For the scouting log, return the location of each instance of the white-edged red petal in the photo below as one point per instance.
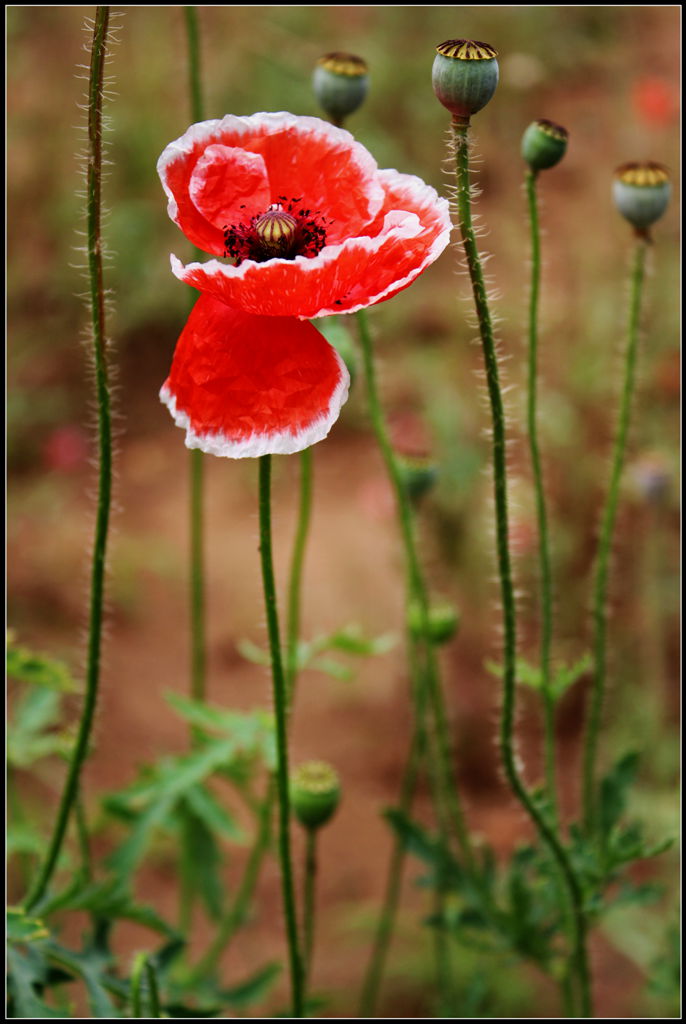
(243, 385)
(410, 232)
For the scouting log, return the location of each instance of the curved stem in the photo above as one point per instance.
(416, 591)
(97, 304)
(547, 834)
(541, 514)
(281, 712)
(295, 581)
(605, 541)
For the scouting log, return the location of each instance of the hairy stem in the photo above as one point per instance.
(281, 714)
(548, 835)
(541, 514)
(295, 580)
(196, 463)
(97, 305)
(605, 541)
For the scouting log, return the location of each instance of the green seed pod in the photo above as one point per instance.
(418, 475)
(340, 82)
(444, 621)
(464, 76)
(544, 143)
(641, 192)
(315, 793)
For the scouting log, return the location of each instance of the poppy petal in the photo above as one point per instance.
(244, 386)
(409, 233)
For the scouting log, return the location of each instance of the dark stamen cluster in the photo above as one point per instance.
(302, 233)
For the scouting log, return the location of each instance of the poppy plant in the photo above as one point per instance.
(301, 223)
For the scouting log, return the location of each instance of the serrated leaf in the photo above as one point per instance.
(176, 777)
(252, 989)
(23, 928)
(200, 859)
(613, 791)
(428, 848)
(27, 666)
(25, 975)
(253, 732)
(31, 734)
(351, 640)
(251, 652)
(214, 815)
(91, 967)
(333, 668)
(566, 676)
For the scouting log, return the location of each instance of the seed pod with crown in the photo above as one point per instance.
(340, 82)
(641, 193)
(315, 793)
(544, 143)
(464, 76)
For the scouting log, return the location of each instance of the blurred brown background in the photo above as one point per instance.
(610, 75)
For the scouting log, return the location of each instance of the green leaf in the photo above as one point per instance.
(26, 975)
(351, 640)
(566, 676)
(613, 791)
(251, 731)
(22, 928)
(251, 990)
(251, 652)
(26, 666)
(428, 848)
(31, 734)
(214, 816)
(333, 668)
(200, 859)
(90, 966)
(175, 777)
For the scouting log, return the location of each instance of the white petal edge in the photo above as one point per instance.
(282, 442)
(205, 131)
(421, 192)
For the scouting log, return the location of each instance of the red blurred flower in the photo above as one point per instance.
(654, 101)
(301, 224)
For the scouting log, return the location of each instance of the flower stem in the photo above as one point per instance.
(541, 514)
(281, 713)
(197, 575)
(295, 581)
(605, 541)
(416, 591)
(310, 875)
(97, 305)
(548, 835)
(386, 921)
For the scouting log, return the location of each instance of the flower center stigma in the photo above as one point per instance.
(285, 230)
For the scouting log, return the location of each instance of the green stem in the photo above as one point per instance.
(295, 581)
(384, 928)
(141, 966)
(281, 713)
(416, 591)
(197, 575)
(541, 514)
(309, 898)
(605, 541)
(97, 303)
(239, 908)
(548, 835)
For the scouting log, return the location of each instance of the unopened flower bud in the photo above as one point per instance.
(641, 193)
(340, 82)
(464, 76)
(418, 475)
(443, 622)
(544, 143)
(315, 793)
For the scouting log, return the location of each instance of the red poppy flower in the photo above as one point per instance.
(301, 224)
